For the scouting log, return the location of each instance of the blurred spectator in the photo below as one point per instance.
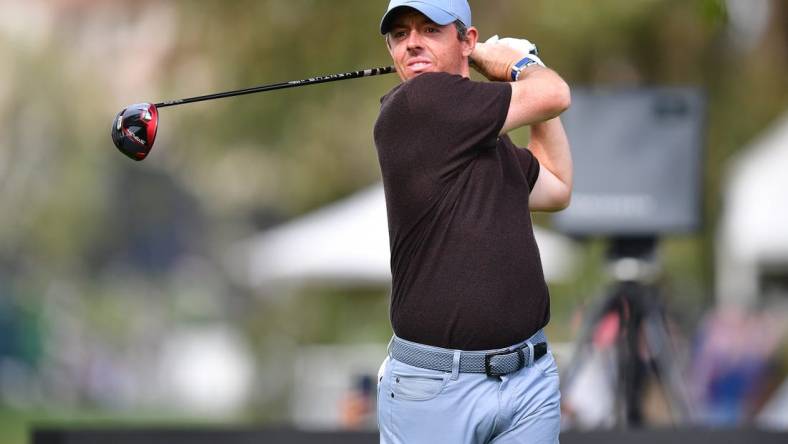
(734, 370)
(357, 406)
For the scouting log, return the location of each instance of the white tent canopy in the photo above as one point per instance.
(347, 243)
(754, 227)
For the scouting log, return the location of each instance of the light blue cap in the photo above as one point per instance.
(441, 12)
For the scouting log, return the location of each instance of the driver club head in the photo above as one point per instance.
(134, 130)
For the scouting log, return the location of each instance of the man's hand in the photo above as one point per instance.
(496, 57)
(518, 44)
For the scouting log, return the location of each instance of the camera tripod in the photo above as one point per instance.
(640, 346)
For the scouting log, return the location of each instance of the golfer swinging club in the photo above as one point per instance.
(469, 362)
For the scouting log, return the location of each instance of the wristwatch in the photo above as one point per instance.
(522, 64)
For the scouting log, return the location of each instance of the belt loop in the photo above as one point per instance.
(388, 347)
(455, 365)
(530, 354)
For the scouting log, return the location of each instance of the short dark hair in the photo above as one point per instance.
(462, 32)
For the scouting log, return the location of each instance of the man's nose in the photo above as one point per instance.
(414, 40)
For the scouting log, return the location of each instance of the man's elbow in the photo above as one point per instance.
(564, 200)
(557, 200)
(556, 97)
(561, 199)
(565, 96)
(561, 98)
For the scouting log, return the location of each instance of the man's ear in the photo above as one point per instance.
(472, 36)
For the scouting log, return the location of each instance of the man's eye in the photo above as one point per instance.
(432, 29)
(398, 34)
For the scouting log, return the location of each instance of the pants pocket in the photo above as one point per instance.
(417, 385)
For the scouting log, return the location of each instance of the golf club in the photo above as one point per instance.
(134, 129)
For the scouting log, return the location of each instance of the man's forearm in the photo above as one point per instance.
(550, 145)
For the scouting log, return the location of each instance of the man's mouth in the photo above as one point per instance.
(419, 65)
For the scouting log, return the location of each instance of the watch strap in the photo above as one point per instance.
(523, 63)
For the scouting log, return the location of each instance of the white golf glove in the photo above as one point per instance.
(522, 45)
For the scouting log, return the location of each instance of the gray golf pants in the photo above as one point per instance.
(420, 406)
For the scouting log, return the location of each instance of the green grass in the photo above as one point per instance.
(13, 427)
(16, 425)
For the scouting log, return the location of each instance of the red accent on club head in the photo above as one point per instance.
(134, 130)
(153, 126)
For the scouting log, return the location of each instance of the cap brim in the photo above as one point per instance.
(437, 15)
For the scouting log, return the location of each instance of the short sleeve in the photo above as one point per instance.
(529, 164)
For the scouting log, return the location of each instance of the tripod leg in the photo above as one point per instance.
(660, 348)
(631, 368)
(590, 362)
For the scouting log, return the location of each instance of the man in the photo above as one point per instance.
(469, 362)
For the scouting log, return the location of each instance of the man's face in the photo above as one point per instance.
(417, 45)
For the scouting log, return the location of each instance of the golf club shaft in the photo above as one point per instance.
(292, 84)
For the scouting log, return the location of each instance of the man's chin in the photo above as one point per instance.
(413, 74)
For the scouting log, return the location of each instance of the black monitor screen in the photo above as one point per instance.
(637, 161)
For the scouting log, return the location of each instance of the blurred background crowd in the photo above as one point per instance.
(239, 275)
